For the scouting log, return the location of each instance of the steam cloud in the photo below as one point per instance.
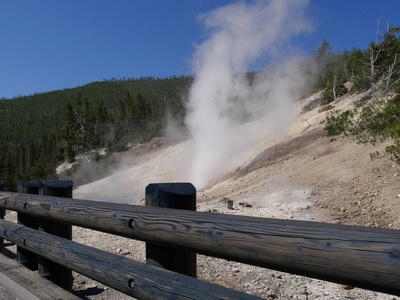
(223, 96)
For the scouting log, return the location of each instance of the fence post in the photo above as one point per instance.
(178, 196)
(54, 272)
(24, 256)
(2, 214)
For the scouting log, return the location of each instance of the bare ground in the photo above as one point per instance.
(304, 177)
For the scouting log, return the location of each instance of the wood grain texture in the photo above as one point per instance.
(25, 257)
(133, 278)
(54, 272)
(179, 195)
(22, 283)
(356, 256)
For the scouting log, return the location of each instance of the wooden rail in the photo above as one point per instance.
(132, 278)
(19, 282)
(356, 256)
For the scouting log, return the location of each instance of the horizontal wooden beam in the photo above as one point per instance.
(21, 283)
(132, 278)
(356, 256)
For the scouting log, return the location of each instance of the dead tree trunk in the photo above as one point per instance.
(334, 85)
(372, 66)
(377, 33)
(390, 73)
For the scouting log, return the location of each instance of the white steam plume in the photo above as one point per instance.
(222, 96)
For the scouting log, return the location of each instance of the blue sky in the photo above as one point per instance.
(47, 45)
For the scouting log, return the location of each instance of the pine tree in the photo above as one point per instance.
(68, 133)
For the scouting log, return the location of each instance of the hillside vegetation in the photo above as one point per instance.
(40, 131)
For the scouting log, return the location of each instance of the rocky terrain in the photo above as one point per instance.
(302, 176)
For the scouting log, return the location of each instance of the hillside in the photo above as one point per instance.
(302, 176)
(42, 130)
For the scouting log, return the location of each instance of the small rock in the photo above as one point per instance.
(122, 252)
(325, 108)
(91, 286)
(347, 287)
(305, 291)
(230, 204)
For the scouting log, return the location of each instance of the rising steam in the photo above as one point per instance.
(223, 96)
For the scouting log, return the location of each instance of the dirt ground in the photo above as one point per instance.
(304, 176)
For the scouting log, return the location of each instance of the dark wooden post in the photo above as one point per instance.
(2, 214)
(54, 272)
(23, 256)
(178, 196)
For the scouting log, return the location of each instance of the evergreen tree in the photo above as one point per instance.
(68, 133)
(323, 57)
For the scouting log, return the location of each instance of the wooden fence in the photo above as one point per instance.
(357, 256)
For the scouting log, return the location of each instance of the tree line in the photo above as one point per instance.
(375, 67)
(42, 130)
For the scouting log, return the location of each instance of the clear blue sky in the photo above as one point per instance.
(47, 45)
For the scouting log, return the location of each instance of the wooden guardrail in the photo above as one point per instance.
(356, 256)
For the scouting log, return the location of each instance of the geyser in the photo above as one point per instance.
(224, 95)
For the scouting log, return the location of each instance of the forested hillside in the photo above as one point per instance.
(378, 66)
(39, 131)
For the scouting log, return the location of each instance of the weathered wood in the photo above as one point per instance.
(357, 256)
(178, 196)
(25, 257)
(52, 271)
(10, 290)
(4, 295)
(133, 278)
(21, 283)
(2, 214)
